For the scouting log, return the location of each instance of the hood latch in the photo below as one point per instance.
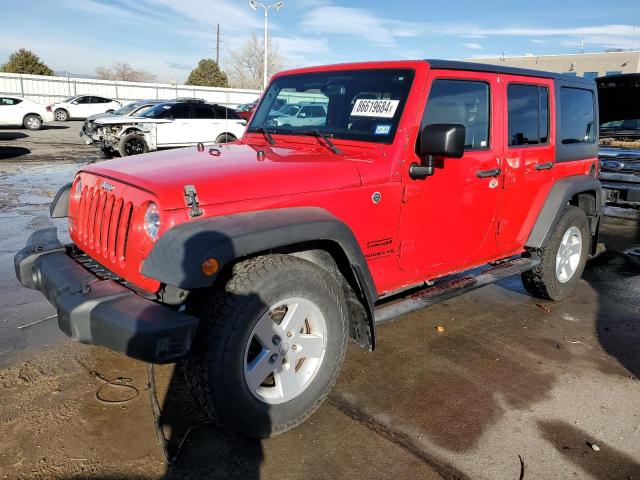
(191, 200)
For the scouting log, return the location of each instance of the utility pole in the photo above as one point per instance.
(218, 44)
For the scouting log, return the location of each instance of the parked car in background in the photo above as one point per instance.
(82, 106)
(175, 123)
(22, 111)
(246, 109)
(134, 108)
(298, 115)
(619, 152)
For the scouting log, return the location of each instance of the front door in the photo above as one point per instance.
(177, 131)
(448, 217)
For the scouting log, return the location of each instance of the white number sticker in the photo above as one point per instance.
(374, 108)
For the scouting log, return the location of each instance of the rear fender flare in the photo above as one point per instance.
(560, 195)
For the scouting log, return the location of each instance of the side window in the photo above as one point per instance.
(177, 111)
(203, 111)
(99, 100)
(577, 116)
(317, 112)
(223, 112)
(528, 114)
(83, 100)
(9, 101)
(461, 101)
(305, 112)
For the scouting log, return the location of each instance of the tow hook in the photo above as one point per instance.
(191, 200)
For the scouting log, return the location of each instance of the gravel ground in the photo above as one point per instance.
(511, 379)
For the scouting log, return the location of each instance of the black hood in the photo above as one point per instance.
(619, 97)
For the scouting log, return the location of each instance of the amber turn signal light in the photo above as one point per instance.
(210, 266)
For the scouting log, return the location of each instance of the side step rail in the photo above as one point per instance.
(452, 288)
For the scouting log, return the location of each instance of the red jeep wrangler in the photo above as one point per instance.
(255, 261)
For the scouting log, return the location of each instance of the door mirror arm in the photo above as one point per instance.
(422, 170)
(438, 140)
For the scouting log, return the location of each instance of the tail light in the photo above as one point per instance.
(48, 108)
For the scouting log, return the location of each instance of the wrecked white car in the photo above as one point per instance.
(176, 123)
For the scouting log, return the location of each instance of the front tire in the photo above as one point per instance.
(32, 122)
(562, 260)
(61, 115)
(132, 144)
(270, 347)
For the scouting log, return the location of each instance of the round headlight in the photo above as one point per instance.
(152, 221)
(77, 192)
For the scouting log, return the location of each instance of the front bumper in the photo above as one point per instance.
(621, 189)
(102, 312)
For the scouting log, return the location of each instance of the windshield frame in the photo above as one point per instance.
(338, 135)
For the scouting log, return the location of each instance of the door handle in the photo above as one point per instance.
(494, 172)
(544, 166)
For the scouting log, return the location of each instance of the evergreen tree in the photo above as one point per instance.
(207, 74)
(24, 61)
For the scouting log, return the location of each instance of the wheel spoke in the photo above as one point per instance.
(287, 380)
(259, 369)
(308, 346)
(265, 330)
(296, 315)
(559, 265)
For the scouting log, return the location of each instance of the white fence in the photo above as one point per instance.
(47, 90)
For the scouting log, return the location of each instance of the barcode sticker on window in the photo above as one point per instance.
(374, 108)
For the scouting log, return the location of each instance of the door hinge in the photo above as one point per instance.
(191, 201)
(409, 192)
(502, 226)
(406, 246)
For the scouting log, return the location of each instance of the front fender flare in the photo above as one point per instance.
(176, 258)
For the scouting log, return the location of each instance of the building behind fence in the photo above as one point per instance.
(48, 90)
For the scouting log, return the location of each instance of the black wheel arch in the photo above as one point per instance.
(308, 232)
(582, 191)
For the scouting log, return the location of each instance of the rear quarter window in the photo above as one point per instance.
(578, 118)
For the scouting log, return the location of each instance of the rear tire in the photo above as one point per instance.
(563, 258)
(132, 144)
(249, 372)
(61, 115)
(226, 138)
(32, 122)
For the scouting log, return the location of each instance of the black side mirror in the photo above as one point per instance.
(438, 140)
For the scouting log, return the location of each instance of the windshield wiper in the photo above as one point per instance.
(266, 133)
(327, 139)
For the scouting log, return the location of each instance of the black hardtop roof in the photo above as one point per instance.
(483, 67)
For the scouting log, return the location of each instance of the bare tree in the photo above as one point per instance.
(124, 72)
(245, 65)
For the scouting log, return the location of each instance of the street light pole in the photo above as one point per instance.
(276, 6)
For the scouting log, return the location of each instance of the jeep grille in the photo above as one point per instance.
(103, 225)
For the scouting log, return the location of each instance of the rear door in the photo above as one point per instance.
(529, 156)
(207, 124)
(99, 105)
(448, 217)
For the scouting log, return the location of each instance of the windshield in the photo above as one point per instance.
(156, 110)
(361, 105)
(630, 124)
(126, 109)
(69, 99)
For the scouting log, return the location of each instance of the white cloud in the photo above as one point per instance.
(348, 21)
(473, 46)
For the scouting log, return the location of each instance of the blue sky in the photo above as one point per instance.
(168, 37)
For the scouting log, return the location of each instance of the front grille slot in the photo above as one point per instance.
(103, 225)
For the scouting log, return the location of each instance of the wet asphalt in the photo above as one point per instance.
(510, 387)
